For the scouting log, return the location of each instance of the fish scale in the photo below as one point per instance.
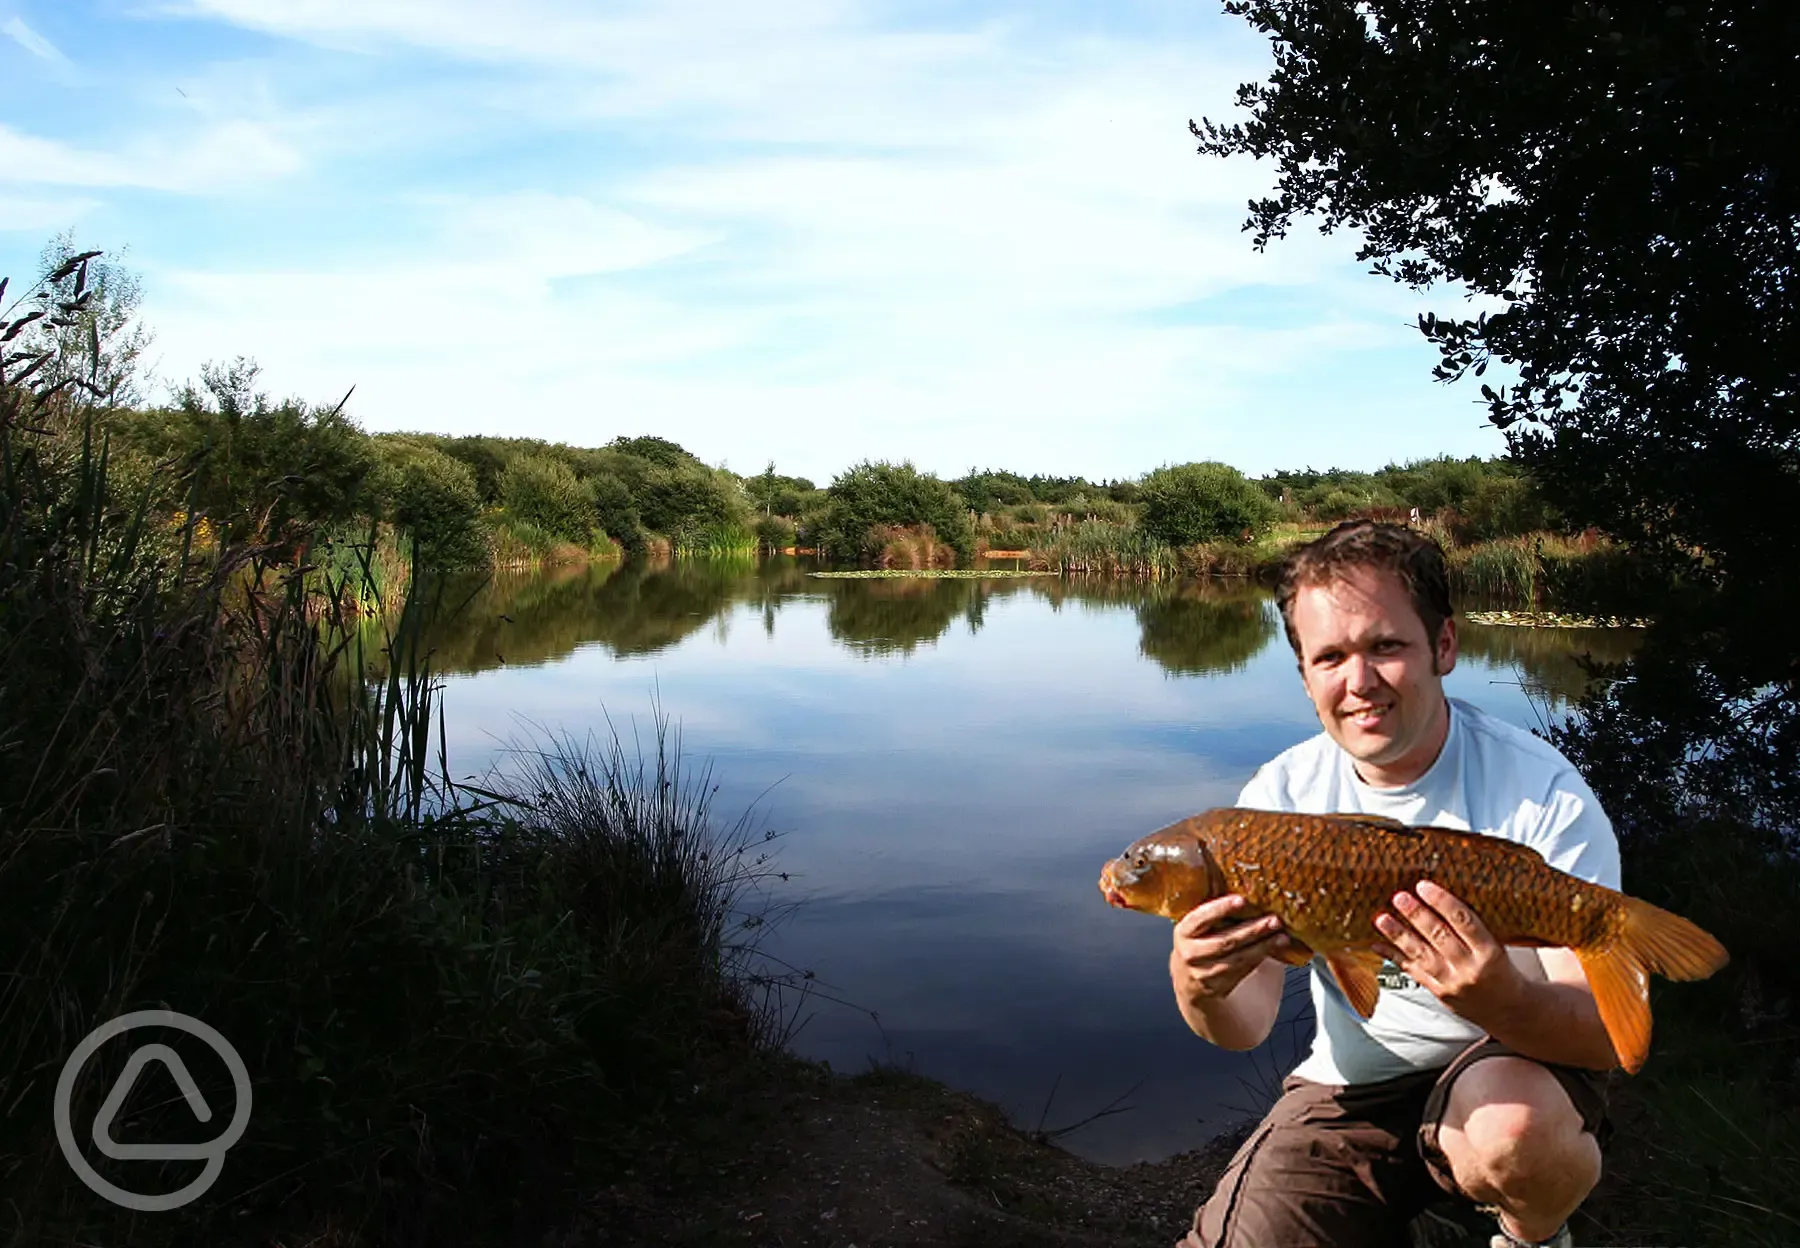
(1329, 885)
(1327, 876)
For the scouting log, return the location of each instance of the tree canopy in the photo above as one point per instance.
(1612, 183)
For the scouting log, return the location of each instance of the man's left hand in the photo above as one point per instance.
(1445, 946)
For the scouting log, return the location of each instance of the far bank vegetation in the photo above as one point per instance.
(254, 468)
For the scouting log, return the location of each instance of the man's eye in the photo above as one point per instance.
(1388, 647)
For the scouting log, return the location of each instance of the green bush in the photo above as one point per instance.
(617, 513)
(1189, 503)
(434, 498)
(1504, 507)
(544, 492)
(774, 533)
(689, 495)
(894, 495)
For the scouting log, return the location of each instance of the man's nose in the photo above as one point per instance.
(1360, 674)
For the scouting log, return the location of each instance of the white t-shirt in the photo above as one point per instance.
(1491, 777)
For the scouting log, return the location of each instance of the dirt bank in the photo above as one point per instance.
(789, 1154)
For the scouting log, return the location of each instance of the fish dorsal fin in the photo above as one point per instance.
(1354, 970)
(1488, 842)
(1379, 822)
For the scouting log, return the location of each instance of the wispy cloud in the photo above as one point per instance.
(14, 28)
(208, 159)
(814, 230)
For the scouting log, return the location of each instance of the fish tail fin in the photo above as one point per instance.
(1670, 945)
(1648, 939)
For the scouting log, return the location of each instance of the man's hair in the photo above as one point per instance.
(1416, 559)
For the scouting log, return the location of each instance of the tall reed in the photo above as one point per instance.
(1096, 547)
(724, 540)
(213, 800)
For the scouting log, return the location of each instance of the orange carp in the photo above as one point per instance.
(1327, 876)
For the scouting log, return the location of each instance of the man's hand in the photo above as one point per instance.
(1210, 957)
(1445, 946)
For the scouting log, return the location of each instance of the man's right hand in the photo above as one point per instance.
(1211, 957)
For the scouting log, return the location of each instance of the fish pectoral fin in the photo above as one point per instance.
(1294, 953)
(1650, 939)
(1354, 970)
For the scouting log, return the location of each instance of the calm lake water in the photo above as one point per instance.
(950, 762)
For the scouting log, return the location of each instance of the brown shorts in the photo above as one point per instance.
(1352, 1167)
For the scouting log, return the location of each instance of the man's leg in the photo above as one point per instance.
(1513, 1137)
(1326, 1166)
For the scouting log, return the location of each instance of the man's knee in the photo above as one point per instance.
(1509, 1128)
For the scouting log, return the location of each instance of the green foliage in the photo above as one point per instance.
(1100, 548)
(616, 512)
(435, 499)
(89, 330)
(775, 533)
(775, 495)
(1573, 169)
(659, 451)
(225, 801)
(253, 466)
(989, 490)
(543, 492)
(688, 494)
(728, 539)
(876, 494)
(1202, 502)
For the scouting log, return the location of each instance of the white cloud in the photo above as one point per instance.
(14, 28)
(783, 229)
(38, 214)
(214, 158)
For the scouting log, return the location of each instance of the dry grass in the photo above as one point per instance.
(910, 548)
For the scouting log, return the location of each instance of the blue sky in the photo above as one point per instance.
(815, 231)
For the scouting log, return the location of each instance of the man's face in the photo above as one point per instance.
(1374, 675)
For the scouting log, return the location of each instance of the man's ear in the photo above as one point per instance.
(1443, 657)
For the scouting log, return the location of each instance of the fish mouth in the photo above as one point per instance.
(1110, 881)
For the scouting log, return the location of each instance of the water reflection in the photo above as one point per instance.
(1548, 660)
(1203, 630)
(877, 618)
(531, 619)
(1187, 628)
(951, 762)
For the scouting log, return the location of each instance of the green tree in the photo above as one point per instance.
(880, 493)
(259, 468)
(435, 499)
(1615, 182)
(616, 513)
(88, 326)
(1203, 502)
(659, 451)
(544, 492)
(688, 494)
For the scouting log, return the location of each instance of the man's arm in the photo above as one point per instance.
(1227, 983)
(1445, 946)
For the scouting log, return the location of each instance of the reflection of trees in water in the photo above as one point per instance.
(1189, 628)
(878, 617)
(1548, 659)
(637, 608)
(1203, 628)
